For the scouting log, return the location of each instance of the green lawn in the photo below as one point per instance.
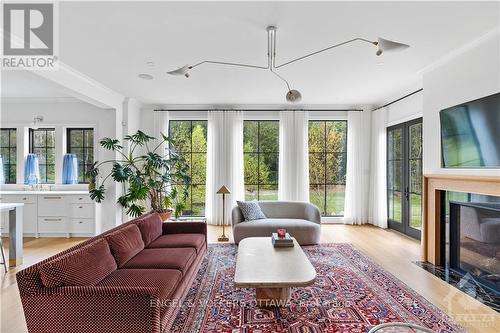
(335, 204)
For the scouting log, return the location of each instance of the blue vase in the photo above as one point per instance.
(70, 169)
(31, 170)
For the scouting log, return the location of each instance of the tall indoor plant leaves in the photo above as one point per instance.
(152, 178)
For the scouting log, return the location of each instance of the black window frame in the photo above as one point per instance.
(325, 152)
(190, 153)
(44, 179)
(404, 226)
(85, 147)
(259, 153)
(12, 152)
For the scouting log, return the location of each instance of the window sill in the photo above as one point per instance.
(332, 219)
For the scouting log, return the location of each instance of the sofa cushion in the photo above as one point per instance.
(84, 266)
(305, 232)
(251, 210)
(173, 258)
(125, 243)
(166, 280)
(150, 227)
(179, 240)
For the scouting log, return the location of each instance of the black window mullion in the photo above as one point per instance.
(85, 145)
(11, 148)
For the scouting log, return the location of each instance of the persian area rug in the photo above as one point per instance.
(351, 294)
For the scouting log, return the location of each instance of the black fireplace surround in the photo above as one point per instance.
(470, 231)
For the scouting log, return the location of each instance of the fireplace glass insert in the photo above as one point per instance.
(474, 237)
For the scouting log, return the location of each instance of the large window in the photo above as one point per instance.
(80, 141)
(43, 144)
(327, 165)
(8, 152)
(191, 142)
(261, 156)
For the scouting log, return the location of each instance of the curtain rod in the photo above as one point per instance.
(397, 100)
(255, 110)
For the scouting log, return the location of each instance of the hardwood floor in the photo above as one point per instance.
(393, 251)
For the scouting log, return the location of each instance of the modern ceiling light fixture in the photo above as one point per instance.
(292, 95)
(145, 76)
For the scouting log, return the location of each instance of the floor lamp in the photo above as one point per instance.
(223, 190)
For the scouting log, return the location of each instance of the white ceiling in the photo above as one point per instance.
(112, 42)
(24, 84)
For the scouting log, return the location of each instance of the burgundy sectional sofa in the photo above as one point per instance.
(132, 278)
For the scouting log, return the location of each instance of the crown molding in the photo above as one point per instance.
(257, 107)
(38, 100)
(494, 33)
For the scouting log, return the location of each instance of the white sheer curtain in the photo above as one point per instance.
(358, 167)
(224, 163)
(377, 214)
(293, 183)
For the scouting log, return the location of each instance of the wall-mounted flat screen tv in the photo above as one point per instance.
(470, 134)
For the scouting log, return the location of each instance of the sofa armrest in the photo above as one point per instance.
(236, 216)
(184, 228)
(312, 213)
(93, 309)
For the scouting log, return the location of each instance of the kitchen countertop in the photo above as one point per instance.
(21, 192)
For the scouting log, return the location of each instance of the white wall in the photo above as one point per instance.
(405, 109)
(56, 114)
(472, 72)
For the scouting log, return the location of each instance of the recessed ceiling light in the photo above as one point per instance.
(145, 76)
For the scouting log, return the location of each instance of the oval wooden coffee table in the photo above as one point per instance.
(272, 271)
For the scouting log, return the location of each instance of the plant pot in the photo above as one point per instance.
(165, 214)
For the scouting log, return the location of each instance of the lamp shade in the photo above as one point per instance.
(70, 169)
(2, 171)
(385, 45)
(223, 190)
(184, 70)
(31, 170)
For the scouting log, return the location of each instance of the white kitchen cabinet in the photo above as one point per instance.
(81, 226)
(52, 214)
(29, 213)
(52, 205)
(82, 211)
(52, 225)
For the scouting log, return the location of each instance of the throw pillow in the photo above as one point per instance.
(150, 226)
(85, 266)
(251, 210)
(125, 243)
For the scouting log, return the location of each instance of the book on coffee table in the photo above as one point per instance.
(286, 241)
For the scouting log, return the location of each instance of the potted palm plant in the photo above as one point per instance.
(152, 177)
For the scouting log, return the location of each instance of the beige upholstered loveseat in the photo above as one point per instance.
(302, 220)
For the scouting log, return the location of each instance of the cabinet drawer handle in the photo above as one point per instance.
(80, 198)
(25, 198)
(80, 206)
(80, 222)
(52, 197)
(52, 220)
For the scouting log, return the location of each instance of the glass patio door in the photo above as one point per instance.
(404, 177)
